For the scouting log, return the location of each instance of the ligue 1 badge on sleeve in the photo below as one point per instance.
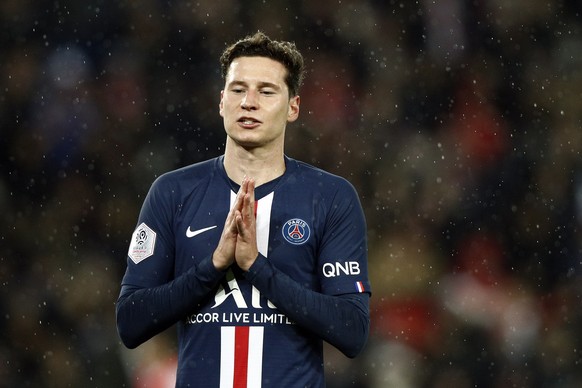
(142, 243)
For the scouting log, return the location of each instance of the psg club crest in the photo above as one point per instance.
(296, 231)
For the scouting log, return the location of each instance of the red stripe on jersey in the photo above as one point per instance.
(241, 356)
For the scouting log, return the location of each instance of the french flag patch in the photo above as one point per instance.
(360, 287)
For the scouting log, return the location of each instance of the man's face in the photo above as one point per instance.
(255, 103)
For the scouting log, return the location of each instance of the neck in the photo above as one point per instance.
(261, 165)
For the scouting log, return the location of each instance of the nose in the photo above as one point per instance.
(250, 101)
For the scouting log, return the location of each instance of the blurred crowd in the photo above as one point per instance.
(459, 123)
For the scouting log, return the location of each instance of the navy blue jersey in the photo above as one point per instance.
(250, 329)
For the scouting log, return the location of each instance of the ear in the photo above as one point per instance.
(221, 104)
(293, 113)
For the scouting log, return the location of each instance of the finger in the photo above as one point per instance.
(240, 225)
(250, 199)
(242, 190)
(248, 209)
(238, 205)
(251, 189)
(245, 219)
(244, 185)
(239, 199)
(231, 224)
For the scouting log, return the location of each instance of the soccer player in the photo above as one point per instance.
(256, 257)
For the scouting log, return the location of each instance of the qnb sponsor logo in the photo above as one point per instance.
(331, 270)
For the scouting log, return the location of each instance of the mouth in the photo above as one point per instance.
(248, 122)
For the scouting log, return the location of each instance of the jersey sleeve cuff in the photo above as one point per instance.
(255, 271)
(207, 272)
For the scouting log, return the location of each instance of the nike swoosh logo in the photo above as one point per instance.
(191, 233)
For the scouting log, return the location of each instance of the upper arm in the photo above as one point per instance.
(150, 257)
(343, 256)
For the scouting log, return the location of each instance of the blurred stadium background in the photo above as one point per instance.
(459, 122)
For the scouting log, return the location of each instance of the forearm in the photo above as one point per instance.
(144, 312)
(343, 321)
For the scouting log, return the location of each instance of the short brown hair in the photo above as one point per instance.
(260, 45)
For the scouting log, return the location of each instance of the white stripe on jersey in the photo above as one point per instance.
(226, 357)
(241, 356)
(264, 222)
(255, 374)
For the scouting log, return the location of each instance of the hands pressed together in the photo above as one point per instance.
(238, 242)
